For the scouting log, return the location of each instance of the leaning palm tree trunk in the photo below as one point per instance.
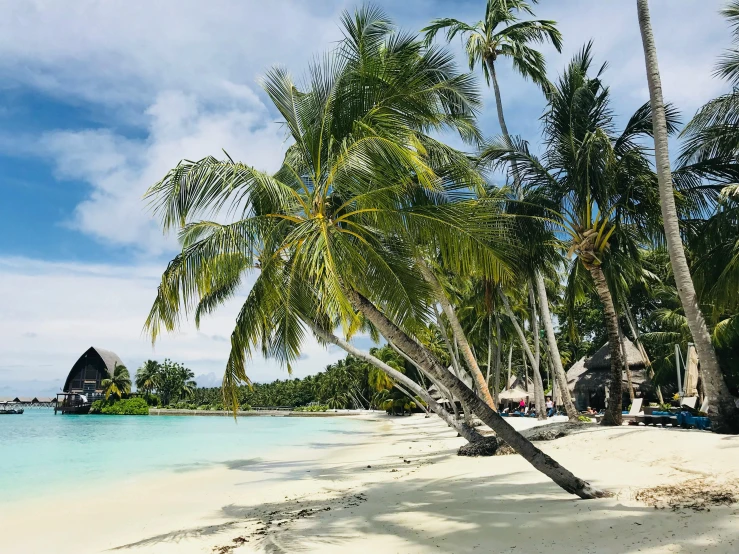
(467, 432)
(538, 383)
(498, 348)
(722, 409)
(613, 413)
(560, 378)
(441, 388)
(411, 397)
(527, 354)
(454, 355)
(458, 332)
(490, 417)
(510, 361)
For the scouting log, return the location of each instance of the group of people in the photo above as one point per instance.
(523, 409)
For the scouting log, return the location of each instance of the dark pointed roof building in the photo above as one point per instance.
(87, 373)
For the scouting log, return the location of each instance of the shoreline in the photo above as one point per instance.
(247, 413)
(399, 487)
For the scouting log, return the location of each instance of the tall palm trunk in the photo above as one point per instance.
(539, 402)
(644, 356)
(721, 405)
(490, 417)
(454, 356)
(458, 332)
(501, 120)
(498, 348)
(625, 360)
(468, 433)
(560, 379)
(510, 361)
(615, 395)
(538, 383)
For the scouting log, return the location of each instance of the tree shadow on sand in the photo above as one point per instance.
(455, 515)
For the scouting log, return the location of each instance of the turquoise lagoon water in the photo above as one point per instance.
(41, 453)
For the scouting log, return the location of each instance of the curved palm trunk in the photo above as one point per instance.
(467, 432)
(723, 411)
(560, 379)
(538, 388)
(458, 332)
(615, 394)
(490, 417)
(538, 383)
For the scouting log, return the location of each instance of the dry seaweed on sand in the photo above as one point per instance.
(696, 494)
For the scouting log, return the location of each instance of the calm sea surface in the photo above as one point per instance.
(41, 453)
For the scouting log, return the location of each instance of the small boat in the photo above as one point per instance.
(10, 408)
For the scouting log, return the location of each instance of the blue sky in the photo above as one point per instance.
(97, 101)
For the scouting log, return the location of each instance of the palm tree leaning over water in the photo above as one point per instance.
(118, 384)
(502, 34)
(721, 403)
(334, 232)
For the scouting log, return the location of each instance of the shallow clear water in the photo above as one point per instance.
(41, 453)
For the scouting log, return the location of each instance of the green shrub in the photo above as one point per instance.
(311, 408)
(128, 406)
(584, 419)
(97, 406)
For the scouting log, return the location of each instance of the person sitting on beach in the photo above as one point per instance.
(591, 411)
(550, 407)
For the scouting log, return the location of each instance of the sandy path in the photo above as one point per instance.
(327, 500)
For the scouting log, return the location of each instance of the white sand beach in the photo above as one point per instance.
(401, 488)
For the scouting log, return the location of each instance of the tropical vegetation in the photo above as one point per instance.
(170, 381)
(460, 260)
(125, 406)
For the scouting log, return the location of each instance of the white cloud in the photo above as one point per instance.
(120, 170)
(53, 312)
(124, 53)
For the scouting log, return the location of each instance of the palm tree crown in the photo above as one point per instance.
(502, 34)
(118, 384)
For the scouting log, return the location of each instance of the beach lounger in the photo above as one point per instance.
(689, 402)
(635, 410)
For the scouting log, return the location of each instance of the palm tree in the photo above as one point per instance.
(335, 231)
(596, 185)
(502, 34)
(720, 401)
(146, 376)
(118, 384)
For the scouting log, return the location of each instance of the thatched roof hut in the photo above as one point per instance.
(515, 394)
(516, 382)
(588, 378)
